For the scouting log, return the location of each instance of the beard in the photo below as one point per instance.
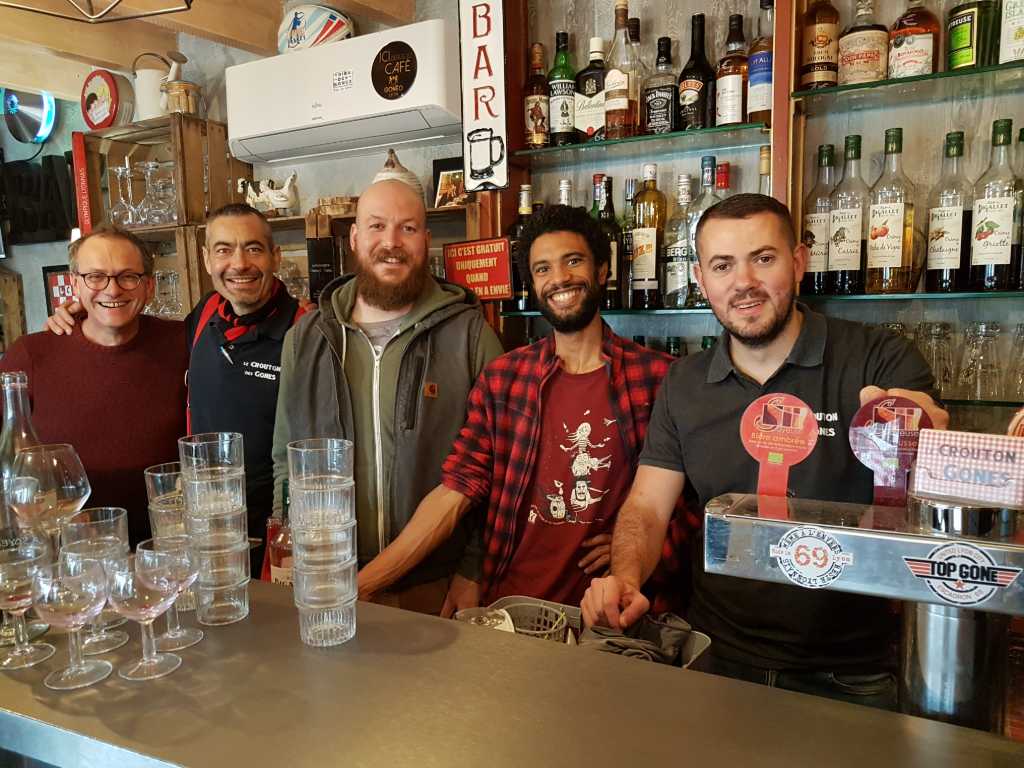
(577, 320)
(765, 336)
(387, 295)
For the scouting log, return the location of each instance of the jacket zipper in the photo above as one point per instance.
(378, 454)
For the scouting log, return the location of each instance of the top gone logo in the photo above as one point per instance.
(962, 574)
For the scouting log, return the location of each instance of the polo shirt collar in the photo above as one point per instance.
(807, 352)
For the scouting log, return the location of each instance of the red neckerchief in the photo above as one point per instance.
(238, 326)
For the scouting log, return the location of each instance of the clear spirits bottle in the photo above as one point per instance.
(950, 211)
(620, 86)
(759, 67)
(659, 99)
(642, 72)
(626, 224)
(894, 248)
(648, 240)
(562, 94)
(706, 199)
(995, 240)
(17, 433)
(863, 48)
(815, 231)
(675, 280)
(848, 223)
(731, 78)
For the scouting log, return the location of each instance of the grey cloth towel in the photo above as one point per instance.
(654, 638)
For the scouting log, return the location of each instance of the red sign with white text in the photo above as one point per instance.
(483, 266)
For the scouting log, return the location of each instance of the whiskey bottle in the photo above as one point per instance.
(731, 78)
(950, 211)
(620, 86)
(590, 95)
(759, 67)
(815, 231)
(995, 239)
(648, 240)
(972, 34)
(893, 248)
(626, 224)
(697, 83)
(819, 59)
(520, 301)
(707, 198)
(612, 230)
(914, 42)
(535, 102)
(659, 99)
(848, 222)
(675, 277)
(863, 48)
(562, 93)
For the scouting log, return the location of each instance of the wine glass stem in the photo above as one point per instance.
(75, 649)
(173, 625)
(20, 633)
(148, 641)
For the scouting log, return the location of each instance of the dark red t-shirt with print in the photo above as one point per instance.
(580, 481)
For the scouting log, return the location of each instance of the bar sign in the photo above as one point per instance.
(970, 467)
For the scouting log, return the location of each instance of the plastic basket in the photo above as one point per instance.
(535, 619)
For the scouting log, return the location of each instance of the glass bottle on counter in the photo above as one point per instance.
(280, 544)
(535, 102)
(598, 186)
(950, 210)
(764, 171)
(972, 34)
(1011, 45)
(565, 192)
(815, 231)
(612, 230)
(863, 48)
(723, 180)
(659, 101)
(697, 83)
(707, 198)
(648, 240)
(759, 67)
(914, 42)
(589, 98)
(520, 301)
(731, 77)
(620, 86)
(848, 221)
(626, 225)
(17, 433)
(995, 239)
(893, 247)
(819, 58)
(562, 94)
(675, 276)
(642, 73)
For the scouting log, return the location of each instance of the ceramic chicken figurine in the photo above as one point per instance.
(394, 170)
(266, 196)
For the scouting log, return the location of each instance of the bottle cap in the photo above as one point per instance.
(708, 161)
(722, 176)
(826, 155)
(766, 4)
(633, 25)
(629, 188)
(893, 141)
(537, 56)
(955, 144)
(565, 183)
(650, 171)
(852, 147)
(597, 46)
(1002, 132)
(561, 40)
(598, 178)
(765, 161)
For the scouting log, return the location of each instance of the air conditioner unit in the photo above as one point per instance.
(355, 96)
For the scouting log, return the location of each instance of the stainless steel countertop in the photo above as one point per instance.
(412, 690)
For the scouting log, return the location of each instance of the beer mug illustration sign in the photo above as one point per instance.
(484, 139)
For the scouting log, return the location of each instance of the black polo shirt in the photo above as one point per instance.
(233, 388)
(695, 429)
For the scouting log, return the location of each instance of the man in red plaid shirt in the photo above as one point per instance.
(552, 437)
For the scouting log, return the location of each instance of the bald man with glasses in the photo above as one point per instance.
(115, 391)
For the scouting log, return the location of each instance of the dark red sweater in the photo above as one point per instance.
(122, 408)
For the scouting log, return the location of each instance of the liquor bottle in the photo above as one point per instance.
(626, 224)
(538, 207)
(707, 198)
(995, 239)
(863, 48)
(815, 232)
(642, 72)
(697, 83)
(17, 433)
(280, 544)
(641, 340)
(565, 192)
(914, 42)
(598, 182)
(848, 222)
(950, 210)
(759, 67)
(764, 171)
(819, 60)
(562, 93)
(659, 100)
(893, 245)
(1011, 45)
(708, 342)
(675, 346)
(648, 240)
(675, 276)
(612, 230)
(722, 180)
(520, 301)
(590, 95)
(535, 103)
(1020, 153)
(731, 78)
(620, 85)
(972, 34)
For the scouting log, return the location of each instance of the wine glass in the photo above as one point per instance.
(99, 534)
(18, 562)
(122, 213)
(69, 594)
(142, 588)
(148, 208)
(185, 569)
(48, 486)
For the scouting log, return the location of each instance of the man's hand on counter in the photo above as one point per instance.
(62, 321)
(612, 602)
(462, 593)
(939, 417)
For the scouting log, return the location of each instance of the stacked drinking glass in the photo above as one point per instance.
(213, 481)
(322, 512)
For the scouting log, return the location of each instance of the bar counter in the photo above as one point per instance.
(412, 690)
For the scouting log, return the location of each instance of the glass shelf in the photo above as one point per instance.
(918, 296)
(972, 84)
(982, 403)
(606, 312)
(645, 147)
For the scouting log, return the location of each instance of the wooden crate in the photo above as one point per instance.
(180, 249)
(12, 299)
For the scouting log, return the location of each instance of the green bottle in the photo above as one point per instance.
(972, 35)
(562, 94)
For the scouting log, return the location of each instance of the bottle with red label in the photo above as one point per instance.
(914, 42)
(864, 48)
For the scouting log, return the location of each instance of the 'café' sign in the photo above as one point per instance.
(983, 469)
(484, 140)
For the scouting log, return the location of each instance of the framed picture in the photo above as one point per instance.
(58, 285)
(449, 183)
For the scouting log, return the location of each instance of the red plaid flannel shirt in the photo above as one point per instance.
(493, 457)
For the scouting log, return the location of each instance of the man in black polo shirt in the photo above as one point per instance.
(822, 642)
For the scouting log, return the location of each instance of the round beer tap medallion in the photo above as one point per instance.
(778, 431)
(883, 435)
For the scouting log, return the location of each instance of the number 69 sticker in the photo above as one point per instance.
(810, 557)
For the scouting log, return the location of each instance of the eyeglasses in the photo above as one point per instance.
(97, 281)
